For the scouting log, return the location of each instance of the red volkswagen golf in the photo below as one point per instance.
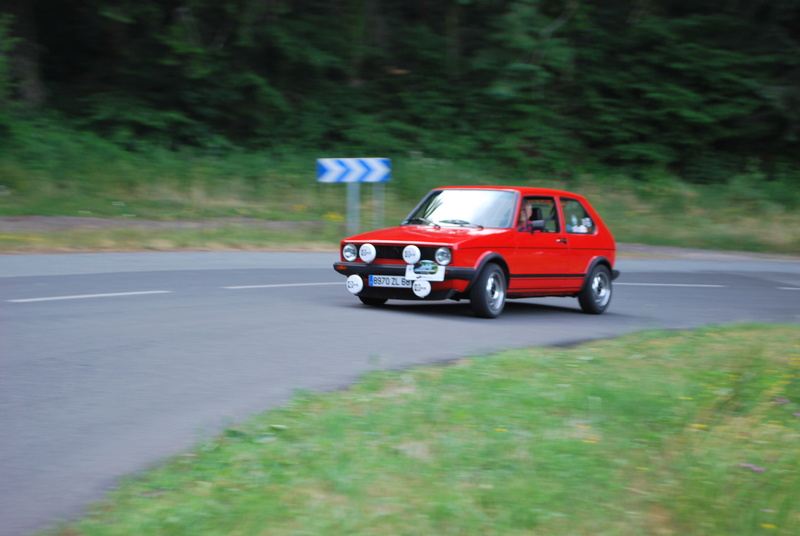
(486, 244)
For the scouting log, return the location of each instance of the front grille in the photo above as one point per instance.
(395, 253)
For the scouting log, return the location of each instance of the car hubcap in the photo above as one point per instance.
(601, 289)
(495, 292)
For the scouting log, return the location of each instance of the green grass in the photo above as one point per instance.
(693, 432)
(72, 174)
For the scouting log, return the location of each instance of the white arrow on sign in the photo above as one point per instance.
(379, 170)
(329, 170)
(356, 170)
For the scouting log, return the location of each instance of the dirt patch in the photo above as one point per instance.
(44, 224)
(644, 250)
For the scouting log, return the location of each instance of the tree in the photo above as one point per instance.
(6, 45)
(24, 55)
(559, 85)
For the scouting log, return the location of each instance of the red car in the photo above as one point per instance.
(486, 244)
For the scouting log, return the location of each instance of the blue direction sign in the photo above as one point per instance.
(353, 169)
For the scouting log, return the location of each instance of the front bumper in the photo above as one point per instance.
(350, 268)
(456, 280)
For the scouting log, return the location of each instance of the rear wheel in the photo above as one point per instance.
(372, 301)
(488, 294)
(595, 295)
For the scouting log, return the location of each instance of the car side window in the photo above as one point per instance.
(576, 219)
(544, 208)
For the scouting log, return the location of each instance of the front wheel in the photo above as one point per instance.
(488, 294)
(595, 295)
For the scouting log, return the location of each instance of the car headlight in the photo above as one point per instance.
(349, 252)
(443, 256)
(367, 252)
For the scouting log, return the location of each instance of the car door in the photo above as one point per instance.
(541, 262)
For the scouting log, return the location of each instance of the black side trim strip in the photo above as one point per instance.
(464, 274)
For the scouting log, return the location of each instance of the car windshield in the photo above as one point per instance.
(465, 208)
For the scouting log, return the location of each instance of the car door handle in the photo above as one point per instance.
(562, 240)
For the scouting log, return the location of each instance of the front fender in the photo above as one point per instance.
(486, 258)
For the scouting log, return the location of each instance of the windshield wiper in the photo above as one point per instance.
(462, 223)
(421, 221)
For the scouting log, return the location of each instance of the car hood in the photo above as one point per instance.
(428, 235)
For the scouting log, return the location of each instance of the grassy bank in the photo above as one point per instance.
(59, 176)
(651, 434)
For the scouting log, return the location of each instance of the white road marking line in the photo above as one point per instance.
(283, 285)
(85, 296)
(670, 285)
(788, 288)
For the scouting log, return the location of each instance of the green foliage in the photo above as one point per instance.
(6, 44)
(50, 169)
(555, 86)
(678, 96)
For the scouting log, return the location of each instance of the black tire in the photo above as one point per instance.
(595, 295)
(372, 301)
(488, 294)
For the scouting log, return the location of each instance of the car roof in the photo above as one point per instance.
(524, 190)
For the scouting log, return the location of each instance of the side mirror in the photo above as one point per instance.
(537, 225)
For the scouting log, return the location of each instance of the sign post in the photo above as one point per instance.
(354, 171)
(353, 207)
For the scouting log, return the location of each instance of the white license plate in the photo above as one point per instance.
(394, 281)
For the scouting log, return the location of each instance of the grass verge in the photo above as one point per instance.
(749, 213)
(692, 432)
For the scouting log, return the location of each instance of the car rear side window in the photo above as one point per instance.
(576, 218)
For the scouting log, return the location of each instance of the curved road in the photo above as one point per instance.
(110, 362)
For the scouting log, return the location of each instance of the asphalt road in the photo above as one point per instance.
(111, 362)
